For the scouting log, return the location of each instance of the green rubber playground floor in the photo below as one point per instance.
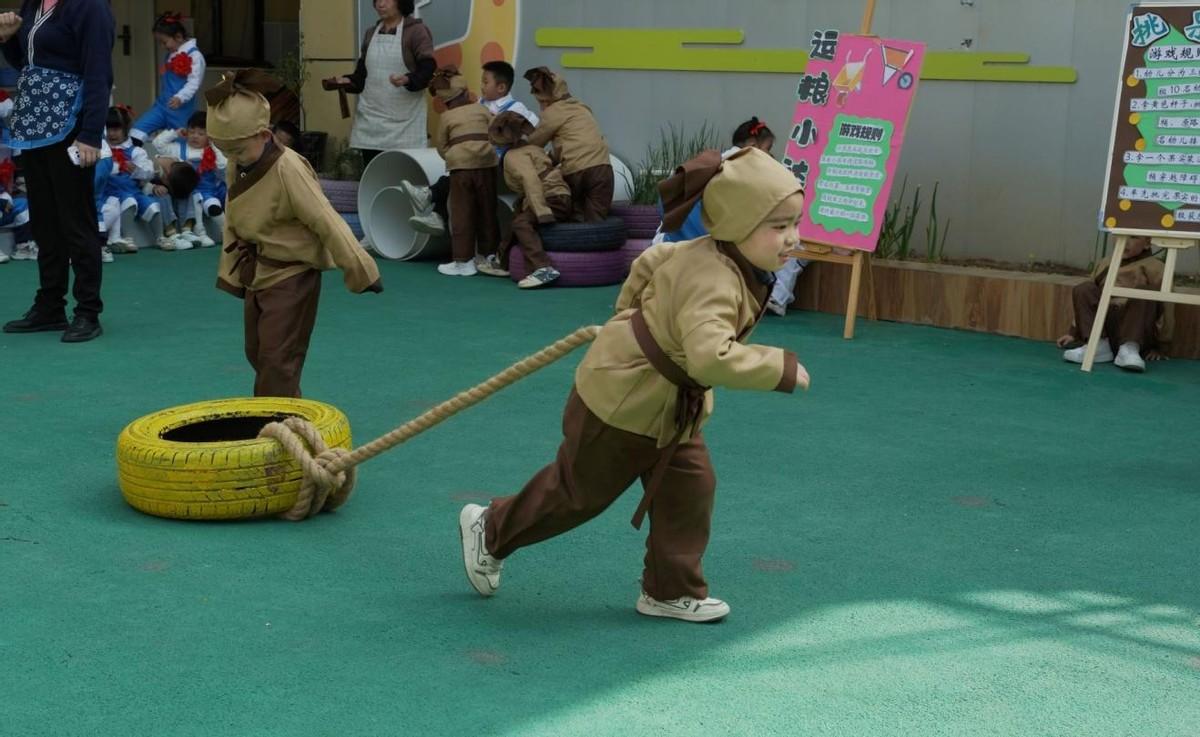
(951, 534)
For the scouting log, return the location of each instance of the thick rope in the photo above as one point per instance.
(329, 474)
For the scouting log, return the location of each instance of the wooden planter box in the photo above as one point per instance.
(1015, 303)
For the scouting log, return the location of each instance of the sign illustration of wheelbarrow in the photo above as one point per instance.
(894, 61)
(850, 79)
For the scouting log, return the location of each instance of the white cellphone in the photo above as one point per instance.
(73, 153)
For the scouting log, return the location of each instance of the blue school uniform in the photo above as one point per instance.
(171, 84)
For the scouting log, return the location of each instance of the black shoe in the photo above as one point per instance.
(82, 330)
(36, 323)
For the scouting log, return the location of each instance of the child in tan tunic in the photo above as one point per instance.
(643, 390)
(544, 198)
(462, 140)
(280, 234)
(579, 146)
(1133, 327)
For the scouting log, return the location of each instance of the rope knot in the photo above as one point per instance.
(325, 486)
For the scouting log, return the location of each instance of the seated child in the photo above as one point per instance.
(1133, 326)
(543, 198)
(579, 147)
(182, 74)
(430, 203)
(131, 168)
(175, 188)
(643, 391)
(280, 234)
(462, 140)
(192, 145)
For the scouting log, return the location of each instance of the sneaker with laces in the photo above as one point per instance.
(1129, 357)
(776, 309)
(687, 608)
(106, 255)
(122, 245)
(539, 278)
(483, 571)
(429, 222)
(166, 242)
(27, 251)
(458, 268)
(1104, 353)
(422, 197)
(184, 243)
(490, 266)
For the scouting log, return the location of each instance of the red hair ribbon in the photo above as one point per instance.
(757, 128)
(8, 170)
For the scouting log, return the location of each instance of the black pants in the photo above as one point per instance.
(62, 211)
(441, 197)
(368, 154)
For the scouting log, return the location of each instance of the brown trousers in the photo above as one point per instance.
(596, 463)
(525, 233)
(473, 224)
(591, 192)
(1131, 322)
(279, 323)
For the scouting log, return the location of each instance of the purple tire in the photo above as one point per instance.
(632, 249)
(342, 195)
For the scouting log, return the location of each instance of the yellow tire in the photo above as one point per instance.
(204, 461)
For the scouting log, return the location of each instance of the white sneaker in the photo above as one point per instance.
(455, 268)
(775, 308)
(166, 242)
(4, 257)
(1104, 353)
(200, 237)
(429, 222)
(27, 251)
(183, 242)
(539, 278)
(1129, 357)
(483, 571)
(490, 266)
(686, 608)
(422, 197)
(106, 255)
(122, 245)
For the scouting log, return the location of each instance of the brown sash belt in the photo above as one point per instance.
(467, 137)
(689, 406)
(248, 259)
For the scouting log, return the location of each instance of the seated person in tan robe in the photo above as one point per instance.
(1133, 327)
(579, 146)
(280, 234)
(644, 389)
(543, 198)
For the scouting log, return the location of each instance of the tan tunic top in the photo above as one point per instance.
(578, 142)
(279, 206)
(529, 172)
(466, 120)
(699, 299)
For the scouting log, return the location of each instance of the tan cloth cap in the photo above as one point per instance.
(237, 108)
(509, 128)
(447, 83)
(546, 86)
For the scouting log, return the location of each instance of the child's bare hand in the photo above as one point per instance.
(160, 191)
(802, 379)
(398, 80)
(1156, 355)
(174, 103)
(1066, 340)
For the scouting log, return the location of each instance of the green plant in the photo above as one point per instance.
(935, 250)
(347, 162)
(895, 237)
(673, 148)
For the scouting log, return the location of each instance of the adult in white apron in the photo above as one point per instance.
(392, 73)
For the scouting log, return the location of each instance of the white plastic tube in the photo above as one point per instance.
(420, 166)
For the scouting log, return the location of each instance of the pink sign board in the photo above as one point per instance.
(852, 109)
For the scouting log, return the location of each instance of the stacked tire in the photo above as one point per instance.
(343, 195)
(586, 254)
(641, 221)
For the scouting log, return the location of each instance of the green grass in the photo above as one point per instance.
(951, 534)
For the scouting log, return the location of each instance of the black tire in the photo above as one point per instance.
(608, 235)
